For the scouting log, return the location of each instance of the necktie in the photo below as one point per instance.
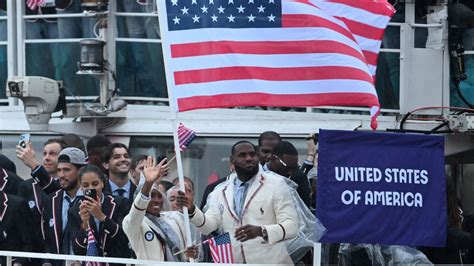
(66, 238)
(120, 192)
(240, 199)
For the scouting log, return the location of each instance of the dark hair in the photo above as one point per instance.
(232, 150)
(109, 151)
(73, 140)
(284, 147)
(56, 140)
(90, 168)
(454, 213)
(137, 159)
(176, 181)
(7, 164)
(97, 141)
(168, 184)
(268, 135)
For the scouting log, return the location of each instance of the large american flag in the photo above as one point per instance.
(221, 249)
(366, 19)
(223, 53)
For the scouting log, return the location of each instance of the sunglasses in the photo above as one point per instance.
(281, 161)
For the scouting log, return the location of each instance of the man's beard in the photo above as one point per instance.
(245, 173)
(70, 185)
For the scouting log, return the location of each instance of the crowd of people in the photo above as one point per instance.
(133, 212)
(100, 189)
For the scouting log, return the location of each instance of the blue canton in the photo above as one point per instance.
(196, 14)
(222, 239)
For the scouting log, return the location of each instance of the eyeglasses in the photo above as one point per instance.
(281, 161)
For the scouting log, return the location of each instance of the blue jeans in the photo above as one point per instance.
(42, 58)
(139, 72)
(466, 86)
(70, 52)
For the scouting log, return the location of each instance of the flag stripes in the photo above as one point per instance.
(308, 55)
(185, 136)
(273, 74)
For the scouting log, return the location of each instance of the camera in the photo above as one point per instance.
(91, 193)
(40, 98)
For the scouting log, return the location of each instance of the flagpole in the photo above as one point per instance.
(179, 163)
(163, 22)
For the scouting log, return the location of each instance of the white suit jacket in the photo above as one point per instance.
(142, 238)
(268, 203)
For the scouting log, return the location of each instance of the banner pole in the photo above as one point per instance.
(163, 22)
(189, 241)
(317, 254)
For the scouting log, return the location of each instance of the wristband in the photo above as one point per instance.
(191, 215)
(264, 233)
(310, 154)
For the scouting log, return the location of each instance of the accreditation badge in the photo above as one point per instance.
(149, 236)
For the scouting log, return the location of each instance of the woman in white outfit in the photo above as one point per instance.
(155, 233)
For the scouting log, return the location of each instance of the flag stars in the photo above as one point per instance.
(214, 18)
(271, 1)
(176, 20)
(221, 9)
(271, 18)
(174, 2)
(184, 10)
(196, 19)
(194, 2)
(230, 2)
(211, 2)
(240, 9)
(231, 18)
(251, 2)
(251, 18)
(204, 9)
(261, 9)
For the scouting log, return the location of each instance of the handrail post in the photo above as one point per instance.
(9, 261)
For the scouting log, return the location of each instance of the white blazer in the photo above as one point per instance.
(143, 240)
(268, 203)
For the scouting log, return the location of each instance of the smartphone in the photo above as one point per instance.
(24, 139)
(91, 193)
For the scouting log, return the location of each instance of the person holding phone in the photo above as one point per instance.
(56, 222)
(100, 212)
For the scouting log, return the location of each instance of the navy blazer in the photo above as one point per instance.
(133, 188)
(110, 238)
(52, 223)
(15, 229)
(9, 181)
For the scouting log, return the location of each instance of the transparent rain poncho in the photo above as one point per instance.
(367, 254)
(310, 229)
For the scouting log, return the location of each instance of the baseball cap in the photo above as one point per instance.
(72, 155)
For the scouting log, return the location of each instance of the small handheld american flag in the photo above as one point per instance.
(33, 4)
(185, 136)
(92, 249)
(221, 249)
